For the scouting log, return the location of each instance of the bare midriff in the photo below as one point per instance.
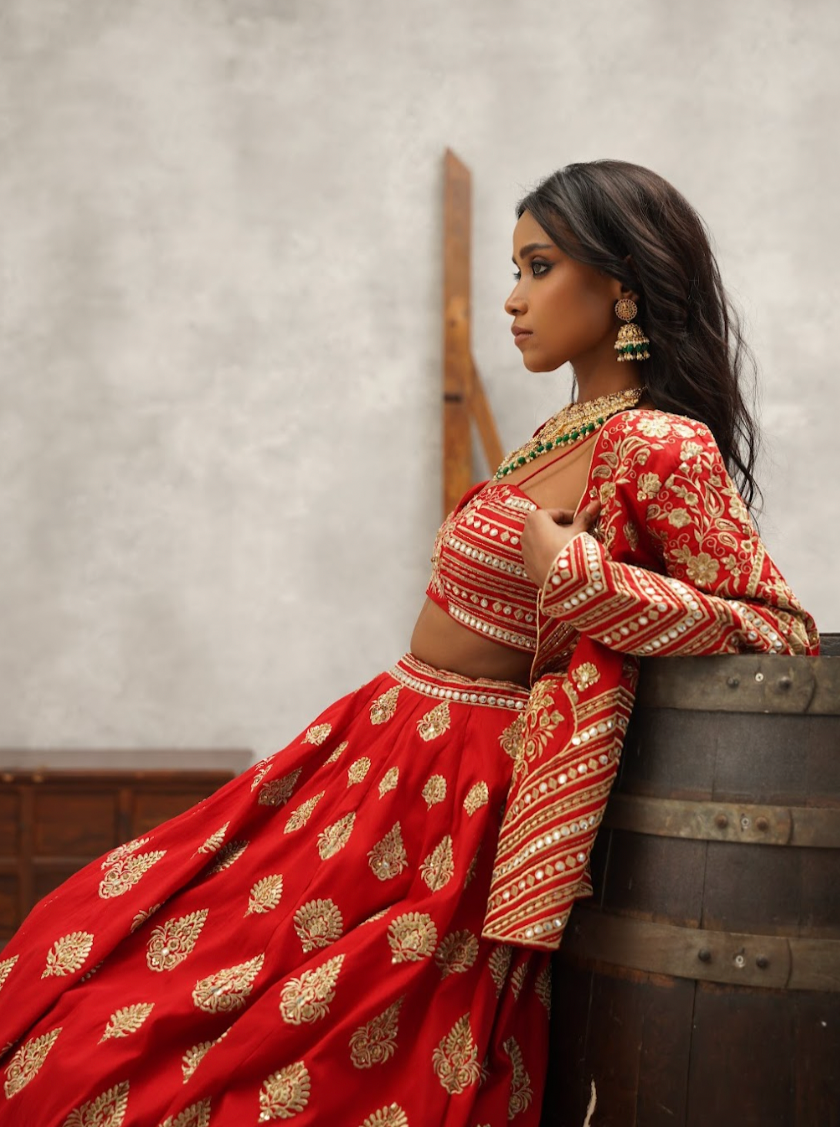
(444, 643)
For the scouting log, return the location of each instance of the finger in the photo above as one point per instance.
(561, 516)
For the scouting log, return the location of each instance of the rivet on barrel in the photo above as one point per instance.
(739, 961)
(721, 821)
(761, 961)
(704, 955)
(785, 682)
(762, 824)
(759, 676)
(733, 682)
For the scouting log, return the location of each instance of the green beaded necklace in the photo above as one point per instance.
(562, 430)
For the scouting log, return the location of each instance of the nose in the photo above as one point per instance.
(515, 303)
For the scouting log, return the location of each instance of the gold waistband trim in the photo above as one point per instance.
(445, 685)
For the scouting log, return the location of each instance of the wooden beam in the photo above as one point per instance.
(457, 362)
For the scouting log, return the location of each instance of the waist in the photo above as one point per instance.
(448, 685)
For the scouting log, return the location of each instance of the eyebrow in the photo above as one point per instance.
(529, 248)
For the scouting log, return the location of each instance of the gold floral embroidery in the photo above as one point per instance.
(126, 1020)
(193, 1057)
(6, 968)
(285, 1093)
(520, 1084)
(375, 916)
(227, 856)
(473, 868)
(171, 942)
(143, 915)
(227, 989)
(434, 790)
(648, 486)
(335, 755)
(123, 851)
(68, 954)
(438, 868)
(307, 999)
(384, 707)
(478, 796)
(457, 952)
(277, 792)
(455, 1060)
(261, 769)
(376, 1040)
(357, 771)
(389, 780)
(27, 1062)
(301, 814)
(499, 964)
(511, 738)
(124, 874)
(586, 675)
(317, 734)
(388, 857)
(336, 836)
(107, 1110)
(541, 719)
(318, 924)
(265, 895)
(517, 979)
(542, 987)
(196, 1115)
(411, 937)
(214, 841)
(390, 1116)
(435, 722)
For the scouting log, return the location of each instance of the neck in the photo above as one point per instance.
(599, 373)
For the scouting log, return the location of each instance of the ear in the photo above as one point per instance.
(618, 289)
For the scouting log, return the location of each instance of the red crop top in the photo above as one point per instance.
(477, 573)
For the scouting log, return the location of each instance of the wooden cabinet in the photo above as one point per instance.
(61, 809)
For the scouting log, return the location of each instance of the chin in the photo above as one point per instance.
(541, 364)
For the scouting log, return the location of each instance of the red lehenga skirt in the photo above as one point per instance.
(304, 944)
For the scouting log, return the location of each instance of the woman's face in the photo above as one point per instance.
(564, 307)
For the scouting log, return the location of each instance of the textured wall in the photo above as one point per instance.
(220, 316)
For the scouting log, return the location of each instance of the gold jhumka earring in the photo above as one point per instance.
(632, 342)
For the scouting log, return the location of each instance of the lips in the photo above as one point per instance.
(520, 334)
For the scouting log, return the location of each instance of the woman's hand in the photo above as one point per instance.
(547, 531)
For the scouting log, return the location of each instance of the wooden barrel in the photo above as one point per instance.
(700, 987)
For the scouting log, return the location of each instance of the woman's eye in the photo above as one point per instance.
(539, 268)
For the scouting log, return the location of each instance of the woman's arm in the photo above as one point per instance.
(721, 592)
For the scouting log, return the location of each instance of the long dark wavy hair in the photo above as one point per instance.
(601, 211)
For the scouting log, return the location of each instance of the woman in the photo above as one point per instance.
(346, 934)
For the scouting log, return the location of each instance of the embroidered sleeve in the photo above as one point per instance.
(721, 592)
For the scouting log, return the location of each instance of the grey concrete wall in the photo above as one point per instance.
(220, 316)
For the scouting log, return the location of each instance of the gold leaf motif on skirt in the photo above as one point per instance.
(390, 1116)
(318, 924)
(261, 769)
(196, 1115)
(435, 722)
(388, 857)
(68, 954)
(171, 942)
(512, 737)
(473, 868)
(384, 707)
(6, 968)
(478, 796)
(336, 836)
(193, 1057)
(317, 734)
(337, 753)
(126, 873)
(518, 978)
(457, 952)
(285, 1093)
(389, 780)
(307, 998)
(265, 895)
(438, 868)
(214, 841)
(412, 937)
(375, 916)
(434, 791)
(124, 851)
(127, 1020)
(455, 1060)
(542, 987)
(278, 791)
(499, 964)
(376, 1040)
(107, 1110)
(227, 989)
(520, 1084)
(301, 814)
(357, 771)
(27, 1061)
(227, 856)
(586, 675)
(143, 915)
